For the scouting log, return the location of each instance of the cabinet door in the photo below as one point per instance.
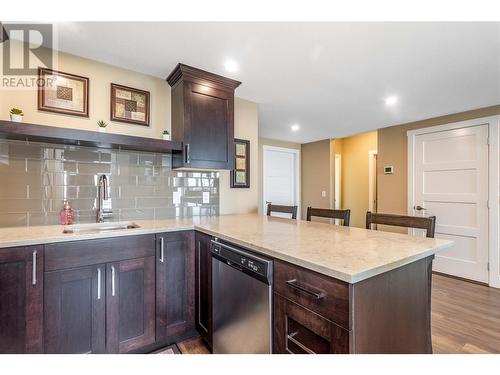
(175, 284)
(203, 286)
(21, 300)
(130, 311)
(75, 310)
(209, 127)
(298, 330)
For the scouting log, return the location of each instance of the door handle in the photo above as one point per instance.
(99, 283)
(188, 156)
(162, 249)
(419, 208)
(33, 270)
(113, 281)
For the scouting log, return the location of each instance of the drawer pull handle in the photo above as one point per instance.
(291, 338)
(293, 284)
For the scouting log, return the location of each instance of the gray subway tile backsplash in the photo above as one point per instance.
(37, 177)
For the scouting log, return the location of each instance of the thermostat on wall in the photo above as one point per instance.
(389, 170)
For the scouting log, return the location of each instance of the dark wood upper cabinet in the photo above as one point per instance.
(21, 300)
(202, 118)
(203, 286)
(130, 310)
(174, 284)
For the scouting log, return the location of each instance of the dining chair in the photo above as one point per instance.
(418, 222)
(344, 215)
(282, 209)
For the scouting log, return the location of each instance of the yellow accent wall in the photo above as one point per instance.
(355, 175)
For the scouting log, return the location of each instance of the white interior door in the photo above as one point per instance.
(451, 182)
(281, 177)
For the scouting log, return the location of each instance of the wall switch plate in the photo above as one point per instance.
(323, 194)
(206, 197)
(389, 169)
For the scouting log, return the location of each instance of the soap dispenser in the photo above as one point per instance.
(67, 216)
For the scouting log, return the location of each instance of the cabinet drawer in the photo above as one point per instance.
(298, 330)
(85, 253)
(324, 295)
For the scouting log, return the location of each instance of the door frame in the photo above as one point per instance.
(296, 153)
(493, 123)
(372, 180)
(337, 185)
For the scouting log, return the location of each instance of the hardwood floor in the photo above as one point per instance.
(465, 319)
(193, 346)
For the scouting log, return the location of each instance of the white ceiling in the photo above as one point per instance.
(331, 78)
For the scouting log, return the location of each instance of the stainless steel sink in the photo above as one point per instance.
(101, 227)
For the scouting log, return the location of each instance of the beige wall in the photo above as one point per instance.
(392, 150)
(315, 175)
(101, 75)
(233, 201)
(355, 175)
(275, 143)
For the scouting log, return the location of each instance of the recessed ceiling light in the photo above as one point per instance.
(391, 100)
(231, 66)
(295, 127)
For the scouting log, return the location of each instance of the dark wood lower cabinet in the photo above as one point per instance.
(298, 330)
(386, 314)
(100, 295)
(203, 286)
(21, 300)
(75, 310)
(130, 304)
(174, 284)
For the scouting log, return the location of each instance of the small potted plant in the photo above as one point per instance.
(102, 126)
(16, 115)
(166, 135)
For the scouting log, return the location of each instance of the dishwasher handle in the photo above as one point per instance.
(234, 265)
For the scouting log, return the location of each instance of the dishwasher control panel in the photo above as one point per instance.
(240, 258)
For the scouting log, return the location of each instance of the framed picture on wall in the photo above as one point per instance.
(63, 93)
(240, 176)
(129, 105)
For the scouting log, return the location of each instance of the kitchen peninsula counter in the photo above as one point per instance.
(345, 253)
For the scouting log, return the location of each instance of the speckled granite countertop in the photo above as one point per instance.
(346, 253)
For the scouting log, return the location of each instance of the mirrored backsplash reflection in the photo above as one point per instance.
(36, 178)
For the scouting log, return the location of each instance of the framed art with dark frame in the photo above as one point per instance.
(63, 93)
(129, 105)
(240, 176)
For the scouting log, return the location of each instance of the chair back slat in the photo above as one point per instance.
(344, 215)
(282, 209)
(427, 223)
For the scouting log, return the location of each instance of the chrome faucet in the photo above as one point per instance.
(102, 196)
